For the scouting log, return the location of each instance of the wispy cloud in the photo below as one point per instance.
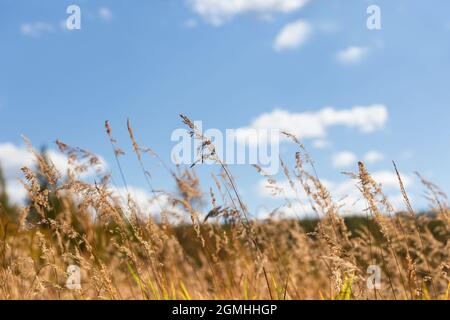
(105, 14)
(344, 159)
(36, 29)
(39, 28)
(321, 143)
(217, 12)
(293, 35)
(373, 156)
(352, 55)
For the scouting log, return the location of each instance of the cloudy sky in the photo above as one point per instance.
(309, 67)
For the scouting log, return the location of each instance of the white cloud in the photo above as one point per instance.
(36, 29)
(293, 35)
(389, 179)
(15, 191)
(345, 194)
(304, 125)
(266, 190)
(352, 55)
(373, 156)
(13, 158)
(217, 12)
(148, 204)
(344, 159)
(39, 28)
(140, 196)
(321, 144)
(105, 14)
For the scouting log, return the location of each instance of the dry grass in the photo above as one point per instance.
(126, 254)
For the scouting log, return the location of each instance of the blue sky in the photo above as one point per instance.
(151, 60)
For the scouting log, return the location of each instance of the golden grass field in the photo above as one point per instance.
(125, 254)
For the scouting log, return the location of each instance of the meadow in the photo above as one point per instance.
(126, 253)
